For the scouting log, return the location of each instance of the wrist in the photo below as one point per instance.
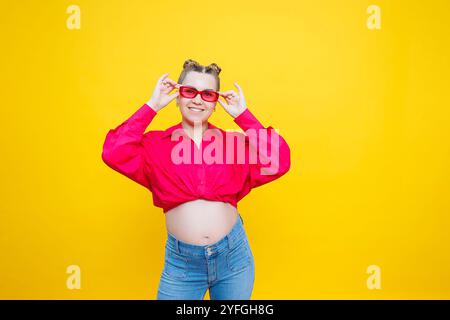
(240, 112)
(151, 105)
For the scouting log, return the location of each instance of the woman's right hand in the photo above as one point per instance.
(161, 97)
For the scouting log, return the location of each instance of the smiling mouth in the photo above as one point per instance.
(196, 109)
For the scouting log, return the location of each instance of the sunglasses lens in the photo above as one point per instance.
(188, 92)
(210, 96)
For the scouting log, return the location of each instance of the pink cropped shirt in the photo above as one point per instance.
(175, 170)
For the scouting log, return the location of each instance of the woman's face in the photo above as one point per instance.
(200, 81)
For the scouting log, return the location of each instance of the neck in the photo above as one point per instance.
(195, 129)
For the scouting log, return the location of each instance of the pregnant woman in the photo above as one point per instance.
(197, 173)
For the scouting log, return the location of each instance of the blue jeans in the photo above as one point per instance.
(226, 268)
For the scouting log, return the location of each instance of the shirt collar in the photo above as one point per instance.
(179, 125)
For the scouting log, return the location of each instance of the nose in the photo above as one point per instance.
(197, 99)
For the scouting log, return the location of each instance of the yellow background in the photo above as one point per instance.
(365, 112)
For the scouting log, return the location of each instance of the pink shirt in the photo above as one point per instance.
(155, 159)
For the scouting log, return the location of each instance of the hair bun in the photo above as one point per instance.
(190, 63)
(215, 67)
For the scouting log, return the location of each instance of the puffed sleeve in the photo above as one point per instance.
(272, 159)
(123, 149)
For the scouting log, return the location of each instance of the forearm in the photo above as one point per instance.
(124, 140)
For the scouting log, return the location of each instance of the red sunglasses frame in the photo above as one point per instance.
(198, 92)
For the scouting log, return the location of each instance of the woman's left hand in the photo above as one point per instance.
(235, 102)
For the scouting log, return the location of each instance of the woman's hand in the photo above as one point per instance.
(161, 97)
(235, 103)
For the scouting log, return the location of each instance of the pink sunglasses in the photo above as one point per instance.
(190, 93)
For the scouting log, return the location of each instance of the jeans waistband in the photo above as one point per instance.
(229, 241)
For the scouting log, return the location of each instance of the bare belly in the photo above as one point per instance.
(201, 222)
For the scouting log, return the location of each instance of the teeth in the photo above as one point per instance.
(195, 109)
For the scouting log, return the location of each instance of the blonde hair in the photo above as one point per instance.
(192, 65)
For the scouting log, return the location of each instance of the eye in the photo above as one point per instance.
(209, 93)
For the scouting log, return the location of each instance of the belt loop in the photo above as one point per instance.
(177, 248)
